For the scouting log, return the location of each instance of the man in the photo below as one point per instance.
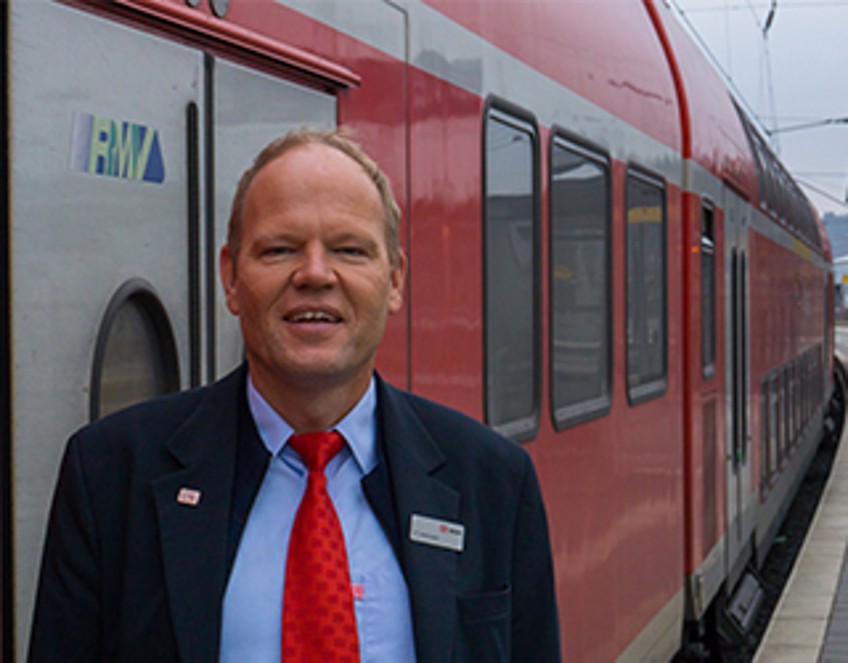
(175, 534)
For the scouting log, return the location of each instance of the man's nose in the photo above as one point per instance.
(314, 268)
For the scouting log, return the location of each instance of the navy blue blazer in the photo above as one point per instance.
(134, 571)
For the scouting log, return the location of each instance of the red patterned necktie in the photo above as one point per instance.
(319, 624)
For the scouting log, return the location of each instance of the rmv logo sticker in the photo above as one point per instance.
(103, 146)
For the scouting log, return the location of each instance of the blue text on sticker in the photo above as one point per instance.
(115, 148)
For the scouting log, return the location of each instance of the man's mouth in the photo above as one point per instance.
(313, 316)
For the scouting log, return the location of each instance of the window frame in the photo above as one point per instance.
(656, 387)
(708, 363)
(765, 433)
(524, 428)
(566, 416)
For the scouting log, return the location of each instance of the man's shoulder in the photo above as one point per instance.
(451, 429)
(439, 414)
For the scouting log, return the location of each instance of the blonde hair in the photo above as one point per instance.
(333, 139)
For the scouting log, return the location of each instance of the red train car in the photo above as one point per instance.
(607, 264)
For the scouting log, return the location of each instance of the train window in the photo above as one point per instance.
(779, 194)
(708, 292)
(784, 414)
(795, 400)
(774, 455)
(799, 396)
(511, 259)
(135, 357)
(815, 375)
(580, 283)
(765, 433)
(646, 288)
(805, 388)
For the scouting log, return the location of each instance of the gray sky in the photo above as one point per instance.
(805, 55)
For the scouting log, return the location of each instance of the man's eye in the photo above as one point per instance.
(352, 251)
(279, 250)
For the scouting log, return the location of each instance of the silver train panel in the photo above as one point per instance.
(111, 136)
(98, 198)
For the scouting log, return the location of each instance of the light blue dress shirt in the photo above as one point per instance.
(253, 603)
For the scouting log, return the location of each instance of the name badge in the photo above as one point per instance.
(439, 533)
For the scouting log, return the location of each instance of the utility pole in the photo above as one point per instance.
(769, 81)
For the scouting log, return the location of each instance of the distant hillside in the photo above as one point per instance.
(837, 230)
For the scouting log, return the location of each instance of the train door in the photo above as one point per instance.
(240, 131)
(99, 248)
(738, 460)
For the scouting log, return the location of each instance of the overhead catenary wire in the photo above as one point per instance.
(812, 187)
(705, 47)
(760, 15)
(749, 5)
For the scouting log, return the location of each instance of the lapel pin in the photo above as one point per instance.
(188, 496)
(438, 533)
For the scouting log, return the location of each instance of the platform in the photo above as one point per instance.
(810, 621)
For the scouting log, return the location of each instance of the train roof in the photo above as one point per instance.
(723, 139)
(716, 139)
(606, 52)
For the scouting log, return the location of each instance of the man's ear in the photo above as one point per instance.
(397, 279)
(227, 267)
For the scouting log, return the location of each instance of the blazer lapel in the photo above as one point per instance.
(414, 462)
(193, 505)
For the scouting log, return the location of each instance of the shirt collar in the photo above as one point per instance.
(359, 427)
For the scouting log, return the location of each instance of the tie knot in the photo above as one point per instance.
(317, 449)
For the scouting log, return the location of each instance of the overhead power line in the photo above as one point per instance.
(737, 93)
(825, 122)
(764, 5)
(822, 192)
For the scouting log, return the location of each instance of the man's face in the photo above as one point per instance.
(312, 283)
